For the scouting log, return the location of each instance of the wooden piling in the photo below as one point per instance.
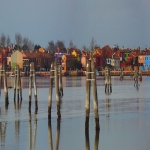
(32, 80)
(15, 84)
(50, 90)
(35, 89)
(95, 98)
(88, 91)
(20, 88)
(60, 81)
(30, 88)
(56, 82)
(5, 86)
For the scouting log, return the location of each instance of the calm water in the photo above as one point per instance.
(124, 117)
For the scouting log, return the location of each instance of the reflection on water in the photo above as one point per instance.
(3, 125)
(32, 134)
(87, 139)
(50, 136)
(124, 117)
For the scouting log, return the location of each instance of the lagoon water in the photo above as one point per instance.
(124, 117)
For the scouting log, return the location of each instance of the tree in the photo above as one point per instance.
(71, 44)
(25, 44)
(51, 46)
(8, 41)
(18, 39)
(3, 40)
(37, 46)
(77, 64)
(92, 44)
(31, 45)
(84, 48)
(59, 44)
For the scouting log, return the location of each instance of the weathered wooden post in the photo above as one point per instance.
(91, 76)
(56, 82)
(88, 92)
(3, 74)
(32, 77)
(95, 98)
(35, 89)
(54, 74)
(60, 81)
(108, 85)
(50, 90)
(17, 84)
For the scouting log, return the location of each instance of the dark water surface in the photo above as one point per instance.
(124, 117)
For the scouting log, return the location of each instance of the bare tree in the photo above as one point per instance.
(3, 40)
(18, 39)
(71, 44)
(8, 41)
(51, 46)
(92, 44)
(25, 44)
(59, 44)
(85, 48)
(30, 45)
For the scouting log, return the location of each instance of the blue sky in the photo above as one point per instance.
(109, 22)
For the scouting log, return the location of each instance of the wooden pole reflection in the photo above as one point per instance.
(57, 135)
(32, 136)
(17, 107)
(32, 79)
(87, 140)
(3, 126)
(50, 135)
(58, 129)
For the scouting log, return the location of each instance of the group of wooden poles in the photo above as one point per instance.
(55, 77)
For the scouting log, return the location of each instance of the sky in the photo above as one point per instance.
(110, 22)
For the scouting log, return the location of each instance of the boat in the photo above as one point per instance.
(11, 75)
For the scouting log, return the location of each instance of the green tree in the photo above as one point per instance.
(77, 64)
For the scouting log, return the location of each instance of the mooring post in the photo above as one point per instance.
(35, 88)
(30, 85)
(50, 90)
(88, 91)
(18, 82)
(15, 83)
(20, 86)
(95, 98)
(5, 86)
(60, 81)
(56, 82)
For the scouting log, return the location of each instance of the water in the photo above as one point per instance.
(124, 117)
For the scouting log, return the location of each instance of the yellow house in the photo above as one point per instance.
(16, 59)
